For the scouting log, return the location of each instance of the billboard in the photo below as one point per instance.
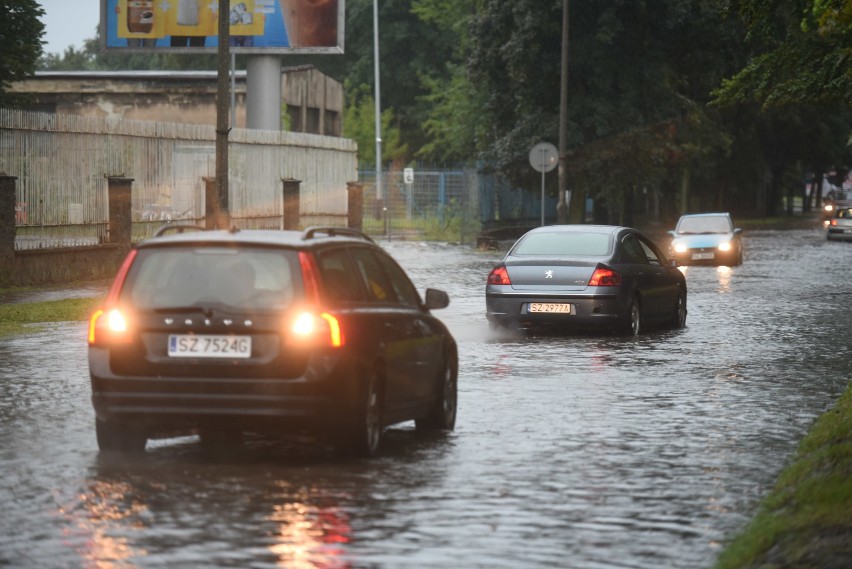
(256, 26)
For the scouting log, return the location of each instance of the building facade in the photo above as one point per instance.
(313, 100)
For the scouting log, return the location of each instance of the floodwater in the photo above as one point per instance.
(569, 451)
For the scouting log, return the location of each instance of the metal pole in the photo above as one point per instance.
(233, 90)
(377, 96)
(222, 130)
(542, 189)
(562, 208)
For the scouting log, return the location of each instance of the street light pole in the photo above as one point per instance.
(377, 97)
(562, 206)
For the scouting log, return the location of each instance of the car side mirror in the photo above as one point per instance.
(672, 232)
(738, 230)
(436, 299)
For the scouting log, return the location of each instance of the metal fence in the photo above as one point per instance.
(439, 203)
(62, 163)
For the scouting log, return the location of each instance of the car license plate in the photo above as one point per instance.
(209, 346)
(703, 256)
(552, 307)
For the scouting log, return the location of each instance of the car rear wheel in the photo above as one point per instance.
(442, 417)
(633, 319)
(362, 433)
(114, 437)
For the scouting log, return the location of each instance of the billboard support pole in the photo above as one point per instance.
(222, 129)
(263, 92)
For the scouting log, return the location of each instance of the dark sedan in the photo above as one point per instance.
(585, 276)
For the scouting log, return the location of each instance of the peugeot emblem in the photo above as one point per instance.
(548, 274)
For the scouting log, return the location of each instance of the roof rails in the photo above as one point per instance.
(177, 228)
(310, 232)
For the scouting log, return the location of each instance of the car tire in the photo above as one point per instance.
(442, 417)
(633, 318)
(361, 435)
(117, 438)
(679, 318)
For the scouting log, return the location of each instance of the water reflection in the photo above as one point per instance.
(204, 515)
(723, 275)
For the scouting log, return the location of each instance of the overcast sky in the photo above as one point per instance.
(69, 22)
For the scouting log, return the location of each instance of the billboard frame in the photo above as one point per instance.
(109, 31)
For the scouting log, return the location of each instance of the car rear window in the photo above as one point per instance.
(554, 243)
(709, 224)
(251, 278)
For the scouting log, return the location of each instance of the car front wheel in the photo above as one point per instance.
(679, 317)
(114, 437)
(442, 417)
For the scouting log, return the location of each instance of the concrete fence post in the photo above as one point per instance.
(291, 188)
(119, 192)
(355, 191)
(7, 217)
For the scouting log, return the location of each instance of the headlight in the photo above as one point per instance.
(679, 247)
(829, 207)
(725, 246)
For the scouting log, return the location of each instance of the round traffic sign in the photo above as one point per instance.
(544, 157)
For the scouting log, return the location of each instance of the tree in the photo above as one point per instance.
(804, 53)
(21, 31)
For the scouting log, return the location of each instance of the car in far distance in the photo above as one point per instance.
(840, 225)
(222, 333)
(706, 239)
(834, 200)
(584, 278)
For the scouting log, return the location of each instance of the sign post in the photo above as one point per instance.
(544, 158)
(408, 178)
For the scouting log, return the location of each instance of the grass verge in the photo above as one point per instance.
(14, 318)
(806, 521)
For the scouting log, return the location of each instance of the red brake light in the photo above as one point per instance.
(323, 329)
(499, 276)
(108, 326)
(834, 222)
(605, 277)
(108, 323)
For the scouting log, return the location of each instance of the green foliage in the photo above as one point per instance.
(804, 521)
(804, 54)
(15, 317)
(21, 31)
(359, 124)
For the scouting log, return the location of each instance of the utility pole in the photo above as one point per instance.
(562, 207)
(223, 218)
(380, 198)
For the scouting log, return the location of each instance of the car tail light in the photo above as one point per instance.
(110, 325)
(499, 276)
(318, 329)
(833, 222)
(605, 277)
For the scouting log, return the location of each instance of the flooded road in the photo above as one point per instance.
(575, 452)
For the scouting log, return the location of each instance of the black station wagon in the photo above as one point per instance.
(220, 333)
